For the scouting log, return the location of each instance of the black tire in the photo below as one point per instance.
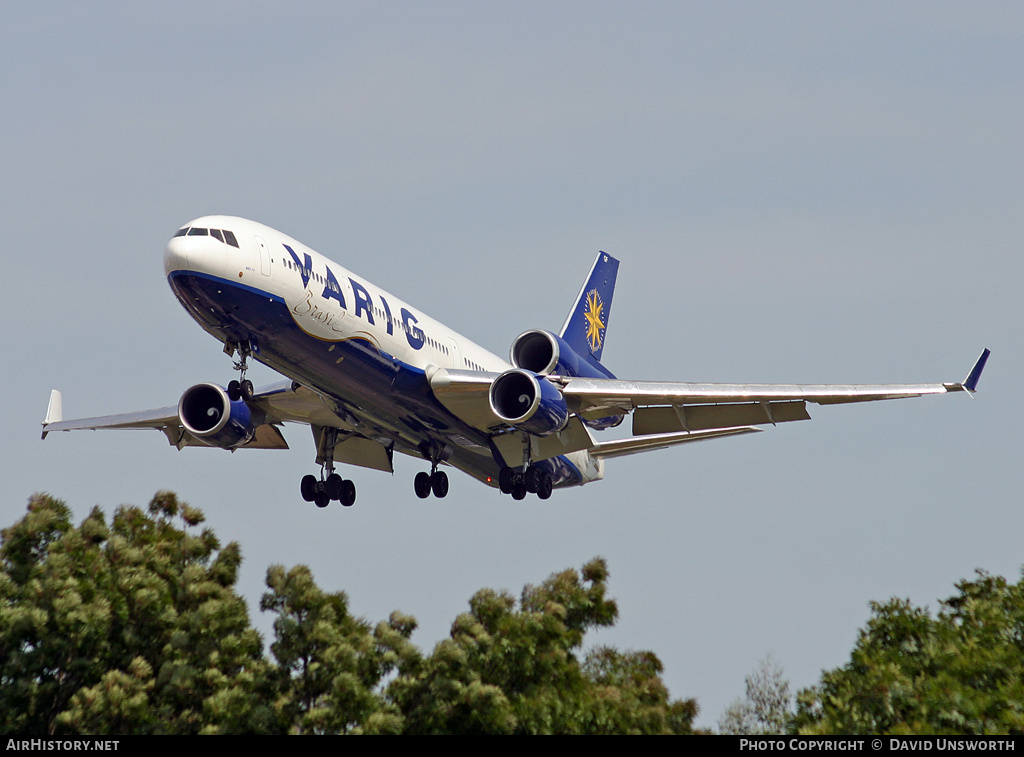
(544, 490)
(246, 390)
(308, 488)
(439, 484)
(505, 476)
(234, 391)
(532, 479)
(321, 499)
(334, 486)
(348, 493)
(519, 491)
(422, 484)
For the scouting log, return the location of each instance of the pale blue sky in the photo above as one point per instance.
(798, 192)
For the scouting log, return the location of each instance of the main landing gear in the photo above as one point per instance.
(330, 486)
(436, 481)
(323, 490)
(518, 482)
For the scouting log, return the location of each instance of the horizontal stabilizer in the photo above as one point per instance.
(635, 444)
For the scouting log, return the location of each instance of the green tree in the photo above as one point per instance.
(516, 668)
(961, 672)
(134, 626)
(329, 664)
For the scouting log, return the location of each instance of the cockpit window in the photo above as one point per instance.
(223, 235)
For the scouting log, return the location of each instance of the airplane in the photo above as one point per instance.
(371, 376)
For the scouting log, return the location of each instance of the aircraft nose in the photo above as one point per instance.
(175, 256)
(195, 249)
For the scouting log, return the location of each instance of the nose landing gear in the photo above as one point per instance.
(241, 389)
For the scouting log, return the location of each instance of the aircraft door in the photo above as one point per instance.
(264, 256)
(453, 347)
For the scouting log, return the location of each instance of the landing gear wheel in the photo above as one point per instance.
(321, 499)
(532, 479)
(422, 484)
(240, 389)
(519, 491)
(334, 486)
(544, 490)
(506, 478)
(308, 488)
(348, 493)
(439, 484)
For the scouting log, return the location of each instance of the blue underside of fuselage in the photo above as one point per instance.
(391, 399)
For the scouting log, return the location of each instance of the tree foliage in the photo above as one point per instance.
(135, 627)
(130, 626)
(329, 664)
(517, 667)
(961, 672)
(767, 708)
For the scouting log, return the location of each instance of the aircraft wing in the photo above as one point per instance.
(275, 404)
(661, 408)
(165, 419)
(665, 414)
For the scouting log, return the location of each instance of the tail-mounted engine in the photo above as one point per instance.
(543, 353)
(210, 416)
(529, 402)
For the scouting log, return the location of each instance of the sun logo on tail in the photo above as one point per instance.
(594, 313)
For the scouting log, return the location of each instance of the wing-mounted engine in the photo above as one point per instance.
(529, 402)
(546, 354)
(209, 415)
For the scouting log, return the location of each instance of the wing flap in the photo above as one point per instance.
(683, 418)
(351, 449)
(572, 438)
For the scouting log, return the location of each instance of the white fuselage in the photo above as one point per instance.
(342, 337)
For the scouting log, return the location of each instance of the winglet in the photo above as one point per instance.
(54, 411)
(971, 382)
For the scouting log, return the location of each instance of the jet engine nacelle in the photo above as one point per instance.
(544, 353)
(210, 416)
(529, 402)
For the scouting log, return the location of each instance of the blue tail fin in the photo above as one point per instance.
(584, 328)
